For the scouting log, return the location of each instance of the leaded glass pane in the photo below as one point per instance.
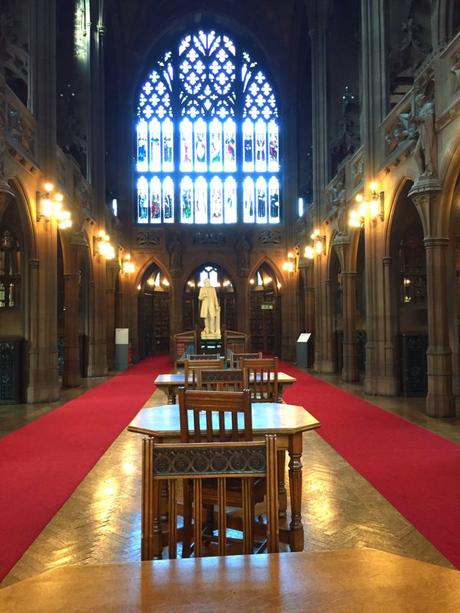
(142, 160)
(248, 146)
(273, 147)
(200, 145)
(248, 200)
(142, 200)
(216, 201)
(261, 200)
(186, 130)
(168, 145)
(155, 145)
(201, 200)
(215, 136)
(230, 212)
(229, 146)
(155, 200)
(261, 146)
(168, 200)
(186, 200)
(274, 200)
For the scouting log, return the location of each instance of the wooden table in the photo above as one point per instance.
(363, 580)
(287, 421)
(171, 381)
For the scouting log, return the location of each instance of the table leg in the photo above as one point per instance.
(282, 495)
(171, 394)
(295, 486)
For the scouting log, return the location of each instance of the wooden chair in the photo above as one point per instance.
(213, 415)
(197, 463)
(210, 416)
(237, 358)
(261, 377)
(191, 367)
(227, 380)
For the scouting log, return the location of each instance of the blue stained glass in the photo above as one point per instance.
(225, 120)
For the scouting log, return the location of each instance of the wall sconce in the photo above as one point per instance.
(309, 252)
(128, 265)
(50, 206)
(103, 247)
(319, 243)
(374, 207)
(292, 262)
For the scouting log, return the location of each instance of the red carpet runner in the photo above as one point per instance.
(42, 463)
(417, 471)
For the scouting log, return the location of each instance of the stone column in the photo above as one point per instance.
(389, 381)
(71, 320)
(350, 365)
(427, 197)
(317, 11)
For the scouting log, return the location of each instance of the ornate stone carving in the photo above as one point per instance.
(20, 129)
(175, 255)
(423, 117)
(348, 137)
(148, 238)
(269, 237)
(357, 169)
(242, 256)
(455, 69)
(202, 461)
(400, 131)
(209, 238)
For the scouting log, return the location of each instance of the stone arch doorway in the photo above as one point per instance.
(153, 312)
(225, 289)
(265, 310)
(408, 296)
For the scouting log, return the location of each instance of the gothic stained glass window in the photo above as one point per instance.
(207, 137)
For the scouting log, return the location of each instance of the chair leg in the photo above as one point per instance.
(187, 530)
(209, 524)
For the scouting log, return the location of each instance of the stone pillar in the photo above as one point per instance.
(427, 197)
(72, 376)
(350, 365)
(112, 272)
(440, 398)
(317, 11)
(389, 381)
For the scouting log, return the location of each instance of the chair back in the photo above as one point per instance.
(261, 378)
(203, 356)
(192, 366)
(226, 380)
(198, 463)
(211, 415)
(237, 358)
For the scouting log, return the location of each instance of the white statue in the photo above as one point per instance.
(210, 311)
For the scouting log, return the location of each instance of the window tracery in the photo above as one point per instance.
(207, 137)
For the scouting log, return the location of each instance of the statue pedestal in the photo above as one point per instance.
(211, 346)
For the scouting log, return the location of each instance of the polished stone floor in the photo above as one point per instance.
(100, 522)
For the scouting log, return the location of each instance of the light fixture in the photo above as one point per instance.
(309, 252)
(50, 205)
(165, 282)
(251, 281)
(373, 206)
(139, 287)
(103, 245)
(292, 262)
(150, 281)
(128, 265)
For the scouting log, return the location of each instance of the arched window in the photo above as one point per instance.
(207, 137)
